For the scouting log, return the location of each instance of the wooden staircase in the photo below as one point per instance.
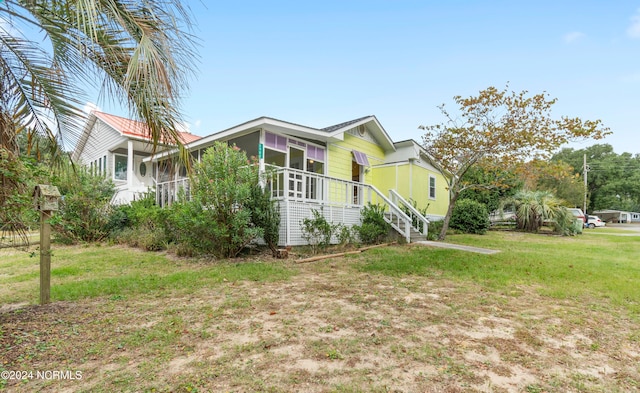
(415, 236)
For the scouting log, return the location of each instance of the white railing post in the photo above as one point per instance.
(413, 212)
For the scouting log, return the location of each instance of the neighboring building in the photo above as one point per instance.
(617, 216)
(115, 146)
(336, 170)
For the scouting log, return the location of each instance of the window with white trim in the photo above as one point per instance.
(432, 187)
(119, 167)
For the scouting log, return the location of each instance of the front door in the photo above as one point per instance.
(296, 179)
(356, 176)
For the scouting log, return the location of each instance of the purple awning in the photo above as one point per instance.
(360, 157)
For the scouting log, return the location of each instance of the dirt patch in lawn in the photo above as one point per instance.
(329, 328)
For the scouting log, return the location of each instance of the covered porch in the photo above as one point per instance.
(299, 192)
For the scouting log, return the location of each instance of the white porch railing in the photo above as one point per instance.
(419, 222)
(289, 184)
(167, 192)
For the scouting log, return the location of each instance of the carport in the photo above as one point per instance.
(616, 216)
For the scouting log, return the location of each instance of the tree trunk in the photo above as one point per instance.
(445, 225)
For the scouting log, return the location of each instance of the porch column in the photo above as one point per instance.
(130, 165)
(261, 166)
(176, 173)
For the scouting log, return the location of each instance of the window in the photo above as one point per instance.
(99, 171)
(104, 165)
(432, 187)
(273, 157)
(120, 167)
(143, 169)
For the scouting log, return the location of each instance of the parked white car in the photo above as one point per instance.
(595, 221)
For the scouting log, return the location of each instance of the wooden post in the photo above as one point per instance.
(45, 200)
(45, 257)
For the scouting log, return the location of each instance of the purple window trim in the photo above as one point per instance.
(275, 141)
(315, 153)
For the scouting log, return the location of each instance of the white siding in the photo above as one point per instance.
(101, 140)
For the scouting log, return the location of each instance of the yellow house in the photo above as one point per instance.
(336, 170)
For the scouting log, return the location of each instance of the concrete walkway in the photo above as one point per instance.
(457, 247)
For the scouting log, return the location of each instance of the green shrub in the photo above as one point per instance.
(317, 231)
(265, 214)
(148, 239)
(374, 229)
(470, 216)
(346, 235)
(537, 208)
(434, 229)
(85, 207)
(217, 220)
(564, 222)
(140, 224)
(18, 176)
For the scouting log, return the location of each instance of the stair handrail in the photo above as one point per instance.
(394, 196)
(395, 210)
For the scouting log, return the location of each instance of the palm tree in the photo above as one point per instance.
(137, 53)
(534, 208)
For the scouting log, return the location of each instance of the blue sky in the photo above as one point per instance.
(322, 63)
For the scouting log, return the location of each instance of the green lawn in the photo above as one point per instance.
(592, 264)
(91, 271)
(581, 267)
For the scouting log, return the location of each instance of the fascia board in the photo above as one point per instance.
(380, 132)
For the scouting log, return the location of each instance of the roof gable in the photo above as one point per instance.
(373, 125)
(136, 129)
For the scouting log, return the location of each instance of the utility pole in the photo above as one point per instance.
(585, 169)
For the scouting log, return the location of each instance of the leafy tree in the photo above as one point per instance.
(510, 183)
(557, 177)
(613, 180)
(498, 129)
(18, 176)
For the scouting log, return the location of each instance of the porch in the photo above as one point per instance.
(298, 192)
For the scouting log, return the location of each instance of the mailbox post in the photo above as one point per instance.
(45, 200)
